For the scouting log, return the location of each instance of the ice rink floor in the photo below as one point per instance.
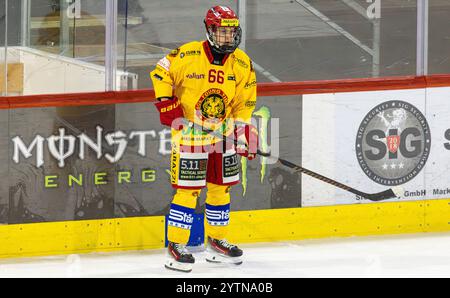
(417, 255)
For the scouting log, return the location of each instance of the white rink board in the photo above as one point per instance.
(330, 128)
(437, 171)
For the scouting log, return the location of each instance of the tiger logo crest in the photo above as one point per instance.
(212, 105)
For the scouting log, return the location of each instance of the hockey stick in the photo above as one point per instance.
(391, 193)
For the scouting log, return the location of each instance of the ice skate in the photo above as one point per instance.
(179, 259)
(220, 251)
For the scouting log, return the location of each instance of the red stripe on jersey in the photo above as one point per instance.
(208, 52)
(210, 55)
(225, 59)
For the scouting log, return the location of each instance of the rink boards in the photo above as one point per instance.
(369, 134)
(246, 227)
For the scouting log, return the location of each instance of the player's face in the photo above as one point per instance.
(225, 35)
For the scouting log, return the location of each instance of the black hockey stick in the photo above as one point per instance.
(380, 196)
(391, 193)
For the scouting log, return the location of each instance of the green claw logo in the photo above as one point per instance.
(264, 114)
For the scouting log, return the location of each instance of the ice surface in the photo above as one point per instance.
(418, 255)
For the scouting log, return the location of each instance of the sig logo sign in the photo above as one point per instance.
(393, 143)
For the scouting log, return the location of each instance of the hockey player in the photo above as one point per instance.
(211, 83)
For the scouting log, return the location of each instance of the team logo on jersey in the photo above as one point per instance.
(164, 63)
(212, 104)
(393, 143)
(250, 84)
(190, 53)
(250, 103)
(195, 76)
(241, 62)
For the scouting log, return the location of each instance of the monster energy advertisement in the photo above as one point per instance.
(107, 161)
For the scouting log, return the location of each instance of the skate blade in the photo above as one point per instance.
(213, 257)
(177, 266)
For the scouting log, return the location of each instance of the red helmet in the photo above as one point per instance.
(222, 16)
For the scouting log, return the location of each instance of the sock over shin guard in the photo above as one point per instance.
(181, 215)
(217, 213)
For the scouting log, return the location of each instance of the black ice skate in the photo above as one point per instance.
(179, 258)
(220, 251)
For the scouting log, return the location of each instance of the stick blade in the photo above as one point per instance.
(391, 193)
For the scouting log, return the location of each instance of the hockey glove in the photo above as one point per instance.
(169, 110)
(247, 140)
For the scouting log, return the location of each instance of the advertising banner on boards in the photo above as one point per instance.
(374, 141)
(107, 161)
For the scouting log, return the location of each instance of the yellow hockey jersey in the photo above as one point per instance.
(209, 91)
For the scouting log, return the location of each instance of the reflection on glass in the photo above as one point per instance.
(70, 28)
(327, 39)
(3, 49)
(59, 44)
(11, 69)
(439, 37)
(304, 40)
(148, 30)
